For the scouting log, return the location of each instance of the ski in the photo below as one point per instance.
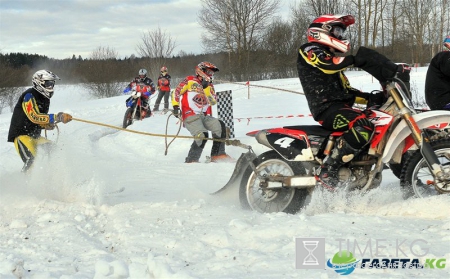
(120, 190)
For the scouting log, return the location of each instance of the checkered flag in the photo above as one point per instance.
(225, 109)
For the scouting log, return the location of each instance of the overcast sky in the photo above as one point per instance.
(61, 28)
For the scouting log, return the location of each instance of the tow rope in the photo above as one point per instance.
(226, 141)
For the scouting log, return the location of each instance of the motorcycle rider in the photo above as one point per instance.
(321, 63)
(31, 115)
(143, 84)
(196, 94)
(164, 89)
(437, 82)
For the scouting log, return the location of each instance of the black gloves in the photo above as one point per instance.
(176, 111)
(376, 98)
(403, 71)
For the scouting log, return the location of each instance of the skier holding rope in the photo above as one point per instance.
(31, 115)
(195, 94)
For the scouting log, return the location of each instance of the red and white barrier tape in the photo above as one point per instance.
(239, 119)
(261, 86)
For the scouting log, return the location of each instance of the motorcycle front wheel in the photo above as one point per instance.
(417, 178)
(397, 168)
(253, 196)
(128, 118)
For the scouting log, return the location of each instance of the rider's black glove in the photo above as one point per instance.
(376, 99)
(403, 71)
(176, 111)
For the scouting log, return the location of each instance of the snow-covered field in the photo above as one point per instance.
(66, 220)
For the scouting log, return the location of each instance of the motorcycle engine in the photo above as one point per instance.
(355, 177)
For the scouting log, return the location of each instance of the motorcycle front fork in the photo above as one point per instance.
(418, 136)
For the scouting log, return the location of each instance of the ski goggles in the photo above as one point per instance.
(337, 32)
(49, 83)
(209, 72)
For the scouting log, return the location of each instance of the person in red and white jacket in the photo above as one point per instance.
(195, 95)
(164, 89)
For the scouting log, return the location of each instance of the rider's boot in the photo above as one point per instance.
(341, 154)
(218, 147)
(195, 151)
(27, 165)
(218, 154)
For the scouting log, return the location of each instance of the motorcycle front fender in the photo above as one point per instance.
(435, 119)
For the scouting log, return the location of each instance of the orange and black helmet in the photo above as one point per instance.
(206, 70)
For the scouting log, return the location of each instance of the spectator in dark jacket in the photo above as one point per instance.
(437, 83)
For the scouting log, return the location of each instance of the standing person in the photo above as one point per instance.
(321, 63)
(31, 115)
(195, 95)
(437, 82)
(143, 84)
(164, 89)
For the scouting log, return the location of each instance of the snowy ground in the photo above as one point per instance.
(65, 220)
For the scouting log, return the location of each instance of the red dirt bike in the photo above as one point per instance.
(280, 180)
(135, 111)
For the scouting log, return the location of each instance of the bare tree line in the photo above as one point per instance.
(259, 44)
(248, 41)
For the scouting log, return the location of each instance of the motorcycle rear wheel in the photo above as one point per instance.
(417, 178)
(252, 196)
(128, 118)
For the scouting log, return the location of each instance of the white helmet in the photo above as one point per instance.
(142, 74)
(44, 81)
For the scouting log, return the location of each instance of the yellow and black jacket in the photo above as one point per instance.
(30, 115)
(321, 74)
